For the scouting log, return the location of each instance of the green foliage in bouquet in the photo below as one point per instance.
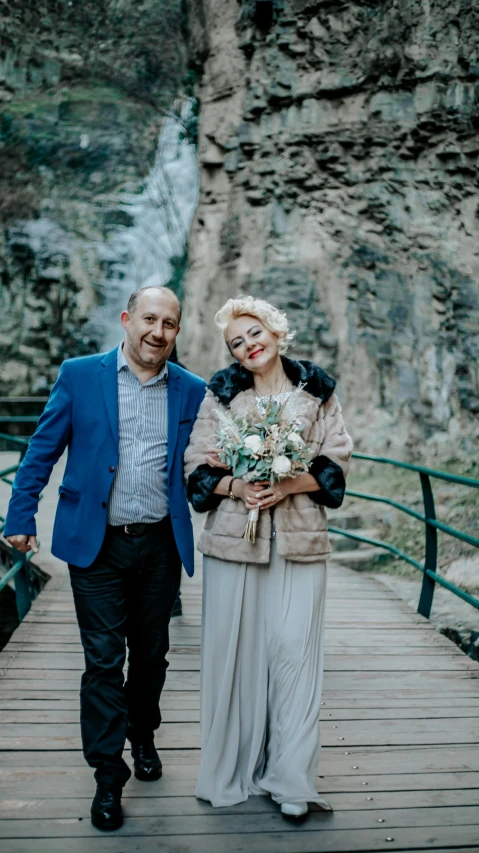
(263, 445)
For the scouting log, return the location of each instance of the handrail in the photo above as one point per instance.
(430, 472)
(15, 439)
(17, 567)
(431, 524)
(19, 419)
(4, 478)
(13, 409)
(464, 537)
(20, 444)
(388, 501)
(378, 543)
(4, 474)
(13, 400)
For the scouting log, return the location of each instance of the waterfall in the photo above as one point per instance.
(141, 253)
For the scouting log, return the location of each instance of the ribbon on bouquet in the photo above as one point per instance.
(251, 526)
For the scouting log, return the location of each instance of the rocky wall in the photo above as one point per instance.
(83, 90)
(339, 148)
(87, 147)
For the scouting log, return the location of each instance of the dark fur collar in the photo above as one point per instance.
(227, 383)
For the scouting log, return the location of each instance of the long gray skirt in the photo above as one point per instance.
(261, 680)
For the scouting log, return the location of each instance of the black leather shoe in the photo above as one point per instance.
(147, 762)
(106, 811)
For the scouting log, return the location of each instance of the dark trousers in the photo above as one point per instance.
(124, 597)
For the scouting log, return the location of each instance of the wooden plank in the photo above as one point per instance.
(357, 623)
(56, 718)
(163, 806)
(274, 835)
(394, 782)
(61, 662)
(409, 698)
(47, 782)
(185, 734)
(415, 631)
(212, 821)
(345, 622)
(453, 702)
(180, 711)
(66, 737)
(169, 700)
(368, 645)
(40, 625)
(414, 840)
(72, 661)
(379, 732)
(41, 680)
(335, 761)
(415, 713)
(48, 695)
(333, 648)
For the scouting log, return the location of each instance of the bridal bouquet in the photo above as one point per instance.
(264, 444)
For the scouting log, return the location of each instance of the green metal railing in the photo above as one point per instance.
(19, 572)
(431, 523)
(19, 415)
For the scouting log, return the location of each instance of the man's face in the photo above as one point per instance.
(151, 329)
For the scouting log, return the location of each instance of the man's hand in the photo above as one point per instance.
(23, 543)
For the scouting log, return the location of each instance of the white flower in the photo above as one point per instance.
(295, 439)
(254, 443)
(281, 466)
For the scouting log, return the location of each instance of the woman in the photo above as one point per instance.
(263, 605)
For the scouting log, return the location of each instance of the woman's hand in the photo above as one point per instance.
(213, 459)
(271, 495)
(248, 492)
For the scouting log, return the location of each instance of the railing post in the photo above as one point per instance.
(23, 593)
(430, 562)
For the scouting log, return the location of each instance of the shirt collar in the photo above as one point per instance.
(122, 364)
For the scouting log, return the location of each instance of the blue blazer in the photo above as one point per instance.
(82, 414)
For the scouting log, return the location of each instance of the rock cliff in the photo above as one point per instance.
(339, 149)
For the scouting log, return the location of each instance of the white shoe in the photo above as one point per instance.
(294, 809)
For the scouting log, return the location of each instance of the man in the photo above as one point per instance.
(123, 526)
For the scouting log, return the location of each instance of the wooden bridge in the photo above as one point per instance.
(399, 732)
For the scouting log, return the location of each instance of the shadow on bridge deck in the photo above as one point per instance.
(399, 731)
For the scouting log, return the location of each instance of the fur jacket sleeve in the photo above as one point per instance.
(330, 466)
(202, 478)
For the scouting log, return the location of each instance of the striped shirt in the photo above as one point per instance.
(140, 487)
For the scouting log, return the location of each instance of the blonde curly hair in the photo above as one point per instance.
(272, 318)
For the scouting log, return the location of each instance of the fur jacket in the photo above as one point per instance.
(300, 520)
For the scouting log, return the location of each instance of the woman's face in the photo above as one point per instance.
(252, 344)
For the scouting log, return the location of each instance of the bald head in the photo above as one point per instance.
(151, 325)
(166, 295)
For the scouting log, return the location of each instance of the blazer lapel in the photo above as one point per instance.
(109, 385)
(175, 393)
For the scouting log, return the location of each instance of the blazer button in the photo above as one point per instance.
(103, 504)
(111, 468)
